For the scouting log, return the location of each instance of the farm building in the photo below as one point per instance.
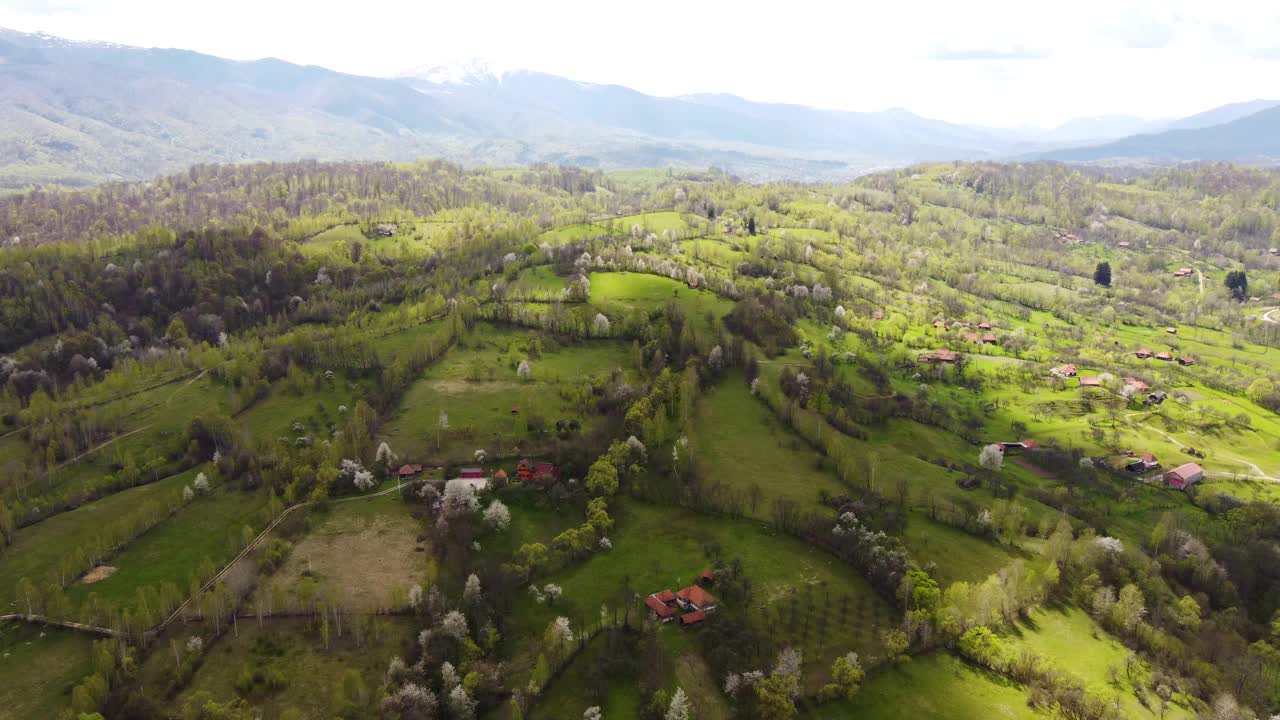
(1184, 476)
(1183, 272)
(695, 598)
(1064, 371)
(1164, 356)
(984, 325)
(990, 339)
(1171, 330)
(1136, 384)
(408, 471)
(662, 610)
(1124, 244)
(471, 473)
(877, 315)
(1186, 360)
(538, 472)
(707, 575)
(1157, 397)
(1142, 353)
(1009, 447)
(693, 618)
(1090, 381)
(1145, 462)
(941, 355)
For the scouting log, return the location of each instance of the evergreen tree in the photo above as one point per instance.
(1102, 274)
(1238, 284)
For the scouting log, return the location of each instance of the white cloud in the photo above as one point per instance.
(997, 62)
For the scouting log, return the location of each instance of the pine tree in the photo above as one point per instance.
(1102, 274)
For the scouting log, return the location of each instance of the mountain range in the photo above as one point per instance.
(74, 113)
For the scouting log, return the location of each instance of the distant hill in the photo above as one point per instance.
(1252, 139)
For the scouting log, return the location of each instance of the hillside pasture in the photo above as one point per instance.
(39, 667)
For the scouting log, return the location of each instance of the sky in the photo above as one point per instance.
(998, 63)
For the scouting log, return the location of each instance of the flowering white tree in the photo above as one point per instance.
(461, 706)
(558, 634)
(636, 447)
(600, 325)
(755, 386)
(593, 713)
(789, 661)
(991, 457)
(201, 483)
(840, 311)
(471, 592)
(821, 293)
(497, 516)
(480, 455)
(679, 707)
(524, 371)
(449, 676)
(195, 645)
(1109, 544)
(605, 543)
(552, 592)
(359, 476)
(460, 498)
(415, 596)
(716, 358)
(187, 493)
(385, 455)
(455, 626)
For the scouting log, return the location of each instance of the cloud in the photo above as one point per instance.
(981, 54)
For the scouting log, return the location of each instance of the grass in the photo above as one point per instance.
(938, 687)
(38, 669)
(955, 554)
(738, 441)
(656, 548)
(1071, 641)
(209, 528)
(37, 549)
(622, 292)
(310, 670)
(361, 552)
(316, 408)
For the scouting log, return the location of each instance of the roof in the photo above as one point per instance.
(1163, 356)
(940, 355)
(697, 596)
(707, 574)
(658, 607)
(988, 338)
(1171, 330)
(406, 470)
(1187, 360)
(1066, 369)
(1142, 351)
(877, 315)
(1148, 457)
(1090, 381)
(546, 468)
(500, 474)
(984, 325)
(665, 596)
(692, 618)
(1136, 383)
(1032, 444)
(1185, 472)
(471, 472)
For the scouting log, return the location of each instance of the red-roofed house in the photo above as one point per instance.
(666, 596)
(663, 611)
(695, 598)
(708, 575)
(990, 339)
(984, 325)
(693, 618)
(941, 355)
(1184, 476)
(1064, 371)
(1090, 381)
(1171, 330)
(471, 473)
(1137, 384)
(406, 471)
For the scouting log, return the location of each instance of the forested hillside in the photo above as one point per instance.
(373, 440)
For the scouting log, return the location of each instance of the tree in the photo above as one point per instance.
(847, 674)
(895, 645)
(461, 706)
(775, 697)
(443, 425)
(454, 625)
(524, 371)
(1130, 608)
(1238, 283)
(600, 325)
(991, 458)
(1187, 613)
(1102, 274)
(201, 483)
(679, 707)
(593, 713)
(497, 516)
(471, 592)
(602, 478)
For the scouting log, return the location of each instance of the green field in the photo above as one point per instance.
(38, 669)
(619, 293)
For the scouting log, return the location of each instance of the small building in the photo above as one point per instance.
(1142, 353)
(1171, 330)
(972, 338)
(1186, 360)
(666, 596)
(1164, 356)
(984, 325)
(545, 471)
(1066, 371)
(1125, 244)
(471, 473)
(877, 315)
(1184, 476)
(695, 598)
(1136, 384)
(663, 611)
(524, 470)
(707, 575)
(1013, 447)
(407, 471)
(500, 475)
(990, 339)
(1158, 397)
(1090, 381)
(692, 618)
(941, 355)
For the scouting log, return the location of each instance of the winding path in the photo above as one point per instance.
(1257, 474)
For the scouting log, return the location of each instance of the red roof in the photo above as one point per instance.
(940, 355)
(692, 618)
(1141, 386)
(984, 325)
(1065, 370)
(546, 469)
(707, 574)
(500, 474)
(1148, 457)
(697, 596)
(1142, 352)
(471, 473)
(1089, 381)
(1187, 360)
(406, 471)
(1184, 473)
(988, 338)
(1030, 444)
(658, 607)
(665, 596)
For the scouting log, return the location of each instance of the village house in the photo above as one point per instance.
(984, 325)
(1125, 244)
(408, 471)
(1162, 355)
(540, 472)
(1136, 384)
(694, 598)
(1066, 371)
(1157, 397)
(990, 339)
(1186, 360)
(1171, 330)
(941, 355)
(660, 607)
(1090, 381)
(707, 576)
(1145, 462)
(1142, 353)
(693, 618)
(1184, 476)
(471, 473)
(1184, 272)
(1013, 447)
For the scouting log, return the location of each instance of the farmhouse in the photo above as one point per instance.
(1171, 330)
(941, 355)
(990, 339)
(1010, 447)
(1157, 397)
(1145, 462)
(660, 608)
(1064, 371)
(408, 471)
(1090, 381)
(544, 472)
(471, 473)
(707, 576)
(984, 325)
(693, 618)
(1184, 272)
(1142, 353)
(1136, 384)
(695, 598)
(1186, 360)
(1184, 476)
(1164, 356)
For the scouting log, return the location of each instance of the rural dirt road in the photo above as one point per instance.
(1269, 314)
(1257, 474)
